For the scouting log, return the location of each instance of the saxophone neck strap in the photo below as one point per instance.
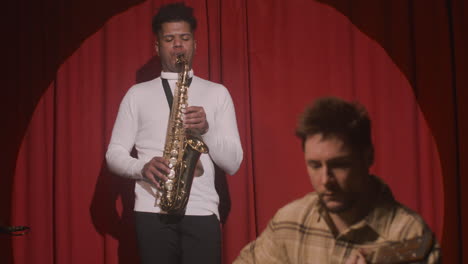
(167, 91)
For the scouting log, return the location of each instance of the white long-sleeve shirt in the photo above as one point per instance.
(142, 122)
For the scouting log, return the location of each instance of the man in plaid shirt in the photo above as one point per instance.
(352, 216)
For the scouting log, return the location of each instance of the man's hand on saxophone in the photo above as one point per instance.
(195, 120)
(155, 170)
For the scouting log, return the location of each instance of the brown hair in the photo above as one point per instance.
(334, 117)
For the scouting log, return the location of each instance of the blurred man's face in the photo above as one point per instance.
(175, 38)
(337, 174)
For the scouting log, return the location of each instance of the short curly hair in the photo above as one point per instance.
(334, 117)
(175, 12)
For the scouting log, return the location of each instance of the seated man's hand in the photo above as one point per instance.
(356, 257)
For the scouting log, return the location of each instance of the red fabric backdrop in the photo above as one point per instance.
(71, 64)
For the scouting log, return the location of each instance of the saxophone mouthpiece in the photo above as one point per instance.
(181, 62)
(180, 58)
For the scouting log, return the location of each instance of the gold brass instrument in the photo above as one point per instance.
(182, 149)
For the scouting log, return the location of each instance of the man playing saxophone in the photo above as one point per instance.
(142, 123)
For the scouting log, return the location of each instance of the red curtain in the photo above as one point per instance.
(72, 63)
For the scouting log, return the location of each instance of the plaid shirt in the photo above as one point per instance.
(302, 232)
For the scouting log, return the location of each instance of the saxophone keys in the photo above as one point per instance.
(174, 153)
(173, 161)
(171, 175)
(169, 185)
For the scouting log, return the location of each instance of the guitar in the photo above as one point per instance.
(408, 251)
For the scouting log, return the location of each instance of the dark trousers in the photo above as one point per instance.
(178, 239)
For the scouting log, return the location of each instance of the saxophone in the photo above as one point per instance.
(182, 149)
